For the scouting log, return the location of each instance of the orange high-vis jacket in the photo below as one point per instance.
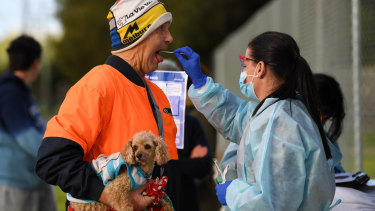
(104, 109)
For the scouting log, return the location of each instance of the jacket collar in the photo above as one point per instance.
(267, 103)
(123, 67)
(10, 77)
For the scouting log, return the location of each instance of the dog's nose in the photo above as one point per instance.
(139, 156)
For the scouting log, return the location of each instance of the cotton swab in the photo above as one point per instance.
(170, 52)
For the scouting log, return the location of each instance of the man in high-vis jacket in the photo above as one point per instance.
(111, 103)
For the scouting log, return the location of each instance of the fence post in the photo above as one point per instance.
(356, 65)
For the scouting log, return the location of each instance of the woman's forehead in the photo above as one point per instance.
(248, 52)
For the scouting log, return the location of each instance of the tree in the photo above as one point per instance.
(367, 32)
(86, 39)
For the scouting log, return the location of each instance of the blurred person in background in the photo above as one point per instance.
(207, 195)
(195, 160)
(332, 112)
(110, 104)
(21, 132)
(283, 158)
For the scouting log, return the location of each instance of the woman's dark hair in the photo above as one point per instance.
(281, 53)
(22, 53)
(331, 104)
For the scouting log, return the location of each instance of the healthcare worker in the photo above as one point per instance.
(283, 160)
(332, 112)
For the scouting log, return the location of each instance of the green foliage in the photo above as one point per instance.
(86, 40)
(368, 32)
(4, 44)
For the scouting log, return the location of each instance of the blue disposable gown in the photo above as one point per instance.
(281, 164)
(336, 153)
(230, 159)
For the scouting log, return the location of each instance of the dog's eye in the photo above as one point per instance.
(147, 146)
(135, 148)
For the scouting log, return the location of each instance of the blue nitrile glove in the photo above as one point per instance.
(221, 192)
(191, 65)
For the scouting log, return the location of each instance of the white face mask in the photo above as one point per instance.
(248, 89)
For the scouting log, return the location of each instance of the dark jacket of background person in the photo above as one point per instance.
(21, 131)
(182, 187)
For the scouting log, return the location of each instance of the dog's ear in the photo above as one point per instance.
(128, 153)
(161, 151)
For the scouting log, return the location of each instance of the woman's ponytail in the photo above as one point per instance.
(306, 87)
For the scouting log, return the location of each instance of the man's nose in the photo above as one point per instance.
(169, 38)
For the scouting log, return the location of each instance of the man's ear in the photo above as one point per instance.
(36, 64)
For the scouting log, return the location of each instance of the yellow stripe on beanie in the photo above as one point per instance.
(135, 29)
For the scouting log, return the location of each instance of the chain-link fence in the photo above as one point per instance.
(324, 33)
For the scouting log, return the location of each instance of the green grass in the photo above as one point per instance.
(60, 198)
(369, 154)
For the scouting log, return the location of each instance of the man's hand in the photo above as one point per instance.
(139, 201)
(199, 151)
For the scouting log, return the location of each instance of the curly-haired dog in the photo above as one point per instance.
(140, 151)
